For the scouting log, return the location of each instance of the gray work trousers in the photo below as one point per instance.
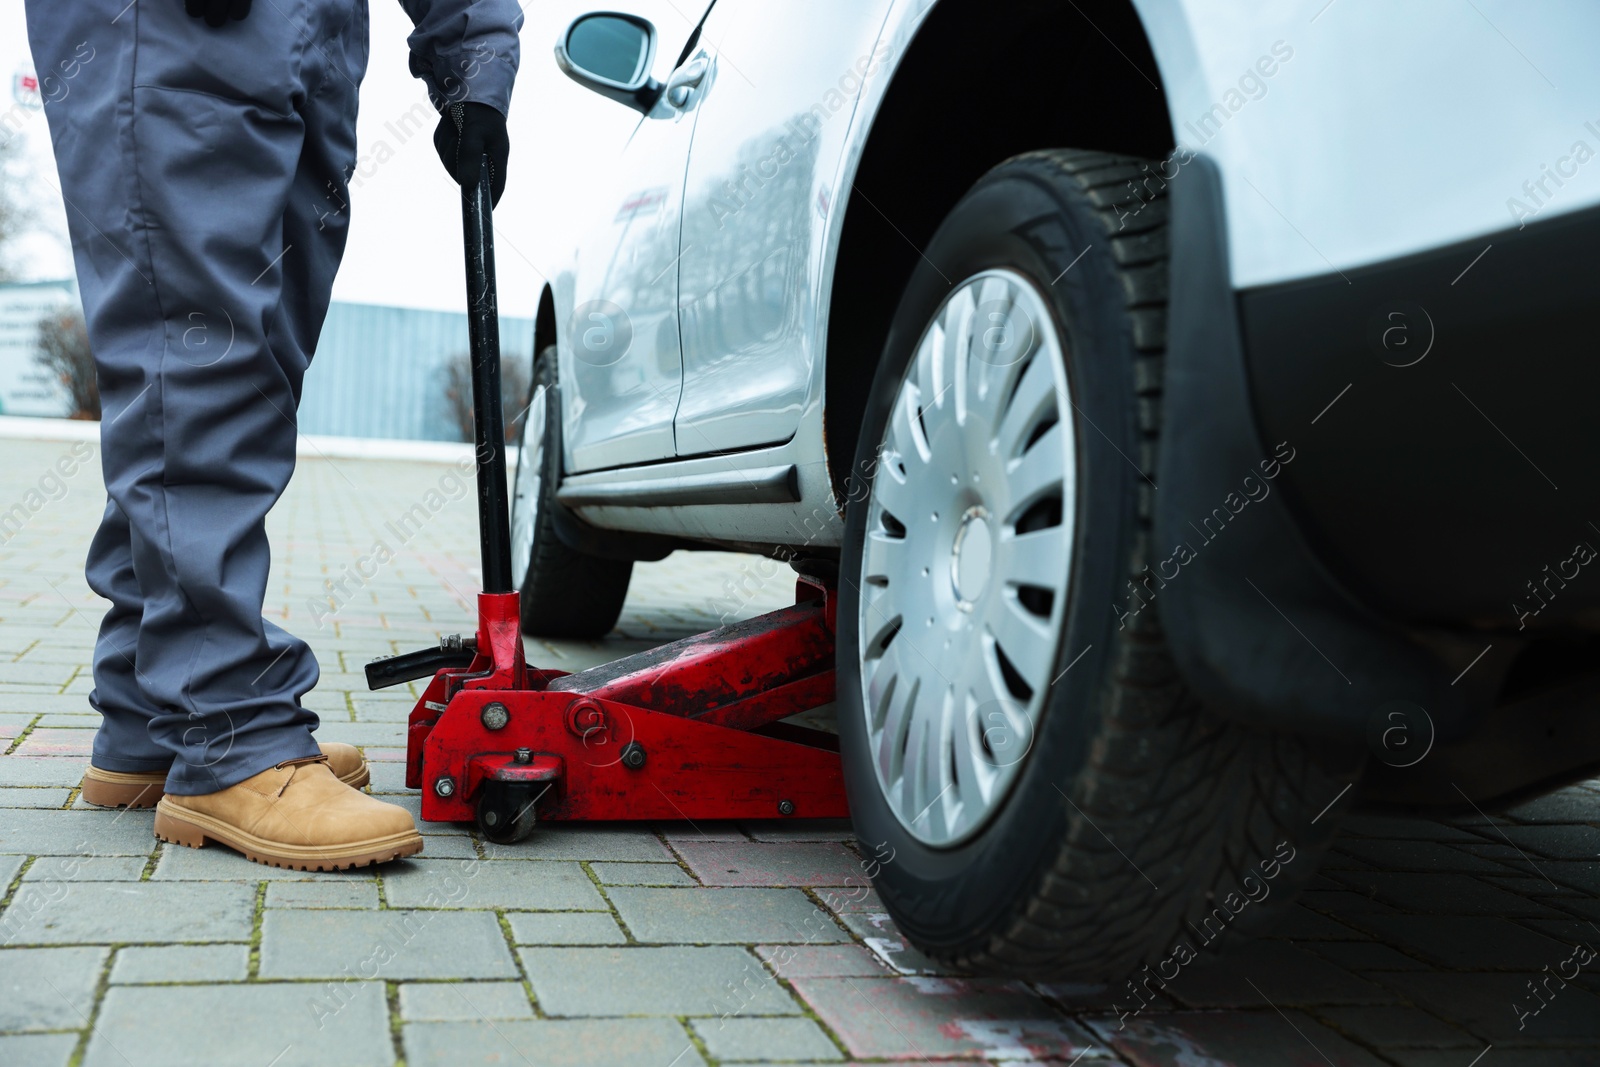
(204, 173)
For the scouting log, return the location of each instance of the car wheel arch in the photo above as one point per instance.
(885, 222)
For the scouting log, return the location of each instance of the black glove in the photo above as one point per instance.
(216, 12)
(466, 133)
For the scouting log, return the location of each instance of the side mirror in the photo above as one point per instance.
(611, 53)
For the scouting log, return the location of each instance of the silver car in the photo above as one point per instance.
(1178, 391)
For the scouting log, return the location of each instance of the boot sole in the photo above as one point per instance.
(127, 791)
(115, 789)
(194, 830)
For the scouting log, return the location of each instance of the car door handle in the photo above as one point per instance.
(685, 80)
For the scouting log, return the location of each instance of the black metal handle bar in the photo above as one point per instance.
(488, 421)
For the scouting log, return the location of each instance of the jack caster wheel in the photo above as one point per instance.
(505, 810)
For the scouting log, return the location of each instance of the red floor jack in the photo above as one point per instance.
(690, 730)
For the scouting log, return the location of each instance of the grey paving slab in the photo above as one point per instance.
(1299, 923)
(383, 711)
(811, 863)
(857, 896)
(878, 932)
(676, 832)
(284, 1024)
(9, 866)
(1509, 1057)
(1264, 973)
(527, 885)
(1486, 1005)
(42, 770)
(1479, 943)
(1363, 956)
(52, 674)
(723, 916)
(653, 981)
(38, 1050)
(1574, 804)
(449, 846)
(556, 841)
(412, 802)
(800, 830)
(565, 928)
(45, 741)
(87, 719)
(1558, 842)
(40, 699)
(641, 874)
(823, 961)
(362, 894)
(552, 1043)
(463, 1001)
(1398, 1027)
(1441, 894)
(144, 964)
(115, 912)
(1582, 875)
(1396, 854)
(86, 869)
(740, 1039)
(390, 778)
(48, 988)
(35, 797)
(215, 863)
(1233, 1037)
(919, 1018)
(75, 833)
(383, 734)
(383, 944)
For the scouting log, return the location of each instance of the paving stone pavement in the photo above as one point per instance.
(1420, 944)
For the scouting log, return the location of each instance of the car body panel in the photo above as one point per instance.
(1364, 146)
(1360, 148)
(621, 363)
(816, 521)
(758, 196)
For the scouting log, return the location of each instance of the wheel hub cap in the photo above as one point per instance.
(966, 558)
(971, 557)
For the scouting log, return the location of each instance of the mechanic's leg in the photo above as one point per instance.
(85, 65)
(316, 220)
(123, 742)
(178, 176)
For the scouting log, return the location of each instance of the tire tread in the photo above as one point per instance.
(1174, 804)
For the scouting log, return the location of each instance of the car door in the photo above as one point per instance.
(621, 368)
(775, 108)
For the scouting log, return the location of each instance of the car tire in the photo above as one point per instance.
(565, 593)
(1123, 822)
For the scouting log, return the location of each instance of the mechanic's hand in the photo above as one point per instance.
(216, 12)
(467, 132)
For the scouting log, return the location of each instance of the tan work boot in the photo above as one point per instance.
(295, 815)
(122, 789)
